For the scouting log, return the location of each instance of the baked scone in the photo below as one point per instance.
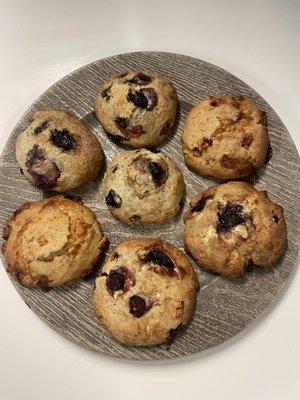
(232, 225)
(57, 151)
(146, 292)
(52, 242)
(141, 186)
(225, 137)
(137, 108)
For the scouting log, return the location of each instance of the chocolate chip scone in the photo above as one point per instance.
(232, 225)
(225, 137)
(57, 151)
(52, 242)
(146, 292)
(142, 186)
(137, 108)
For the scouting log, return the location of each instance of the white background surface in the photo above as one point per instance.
(40, 42)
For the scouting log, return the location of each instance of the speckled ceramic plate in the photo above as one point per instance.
(224, 308)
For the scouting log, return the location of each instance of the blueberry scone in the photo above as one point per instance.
(142, 186)
(146, 292)
(52, 242)
(57, 151)
(225, 137)
(137, 108)
(233, 225)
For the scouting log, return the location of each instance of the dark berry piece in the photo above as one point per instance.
(40, 128)
(137, 306)
(134, 131)
(159, 257)
(140, 79)
(229, 217)
(246, 141)
(166, 128)
(276, 218)
(151, 96)
(157, 172)
(63, 139)
(44, 172)
(121, 123)
(113, 199)
(115, 281)
(138, 98)
(199, 206)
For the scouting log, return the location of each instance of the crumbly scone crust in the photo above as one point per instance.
(137, 113)
(232, 225)
(52, 242)
(172, 293)
(225, 137)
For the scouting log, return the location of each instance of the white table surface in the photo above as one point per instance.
(40, 42)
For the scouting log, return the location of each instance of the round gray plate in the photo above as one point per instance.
(224, 308)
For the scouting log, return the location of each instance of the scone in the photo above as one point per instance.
(225, 137)
(142, 186)
(232, 225)
(137, 108)
(52, 242)
(57, 151)
(146, 292)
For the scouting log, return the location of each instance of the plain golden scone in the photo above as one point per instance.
(57, 151)
(52, 242)
(142, 186)
(232, 225)
(146, 292)
(137, 108)
(225, 137)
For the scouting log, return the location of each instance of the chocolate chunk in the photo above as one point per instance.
(138, 98)
(157, 172)
(63, 139)
(44, 172)
(40, 128)
(160, 258)
(229, 217)
(137, 306)
(113, 199)
(115, 280)
(140, 79)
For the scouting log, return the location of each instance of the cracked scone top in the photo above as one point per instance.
(57, 151)
(146, 292)
(225, 137)
(137, 108)
(52, 242)
(142, 186)
(233, 225)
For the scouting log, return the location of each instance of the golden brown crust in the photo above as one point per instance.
(229, 226)
(37, 255)
(225, 137)
(171, 293)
